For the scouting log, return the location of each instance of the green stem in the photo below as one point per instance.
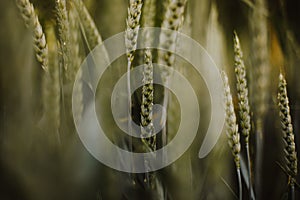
(249, 170)
(259, 158)
(240, 183)
(292, 190)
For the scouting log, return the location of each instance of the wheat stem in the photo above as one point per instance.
(238, 171)
(51, 86)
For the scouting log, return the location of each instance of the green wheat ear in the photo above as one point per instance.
(287, 129)
(31, 20)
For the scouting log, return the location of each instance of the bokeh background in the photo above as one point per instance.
(33, 165)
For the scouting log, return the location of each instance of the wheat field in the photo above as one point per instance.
(254, 43)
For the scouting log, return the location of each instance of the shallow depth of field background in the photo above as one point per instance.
(34, 165)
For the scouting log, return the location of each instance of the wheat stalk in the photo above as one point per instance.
(232, 130)
(147, 127)
(131, 36)
(75, 61)
(74, 44)
(148, 20)
(243, 101)
(149, 11)
(88, 25)
(261, 68)
(287, 130)
(31, 20)
(172, 20)
(260, 77)
(51, 86)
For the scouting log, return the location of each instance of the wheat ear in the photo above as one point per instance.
(148, 20)
(147, 102)
(243, 101)
(260, 62)
(260, 84)
(147, 127)
(88, 25)
(149, 11)
(62, 20)
(132, 28)
(232, 130)
(172, 20)
(287, 130)
(31, 20)
(131, 36)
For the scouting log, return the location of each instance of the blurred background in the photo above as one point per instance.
(34, 164)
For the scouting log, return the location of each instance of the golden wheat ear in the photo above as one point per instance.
(243, 101)
(259, 85)
(88, 26)
(288, 134)
(173, 20)
(63, 27)
(232, 131)
(131, 36)
(32, 21)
